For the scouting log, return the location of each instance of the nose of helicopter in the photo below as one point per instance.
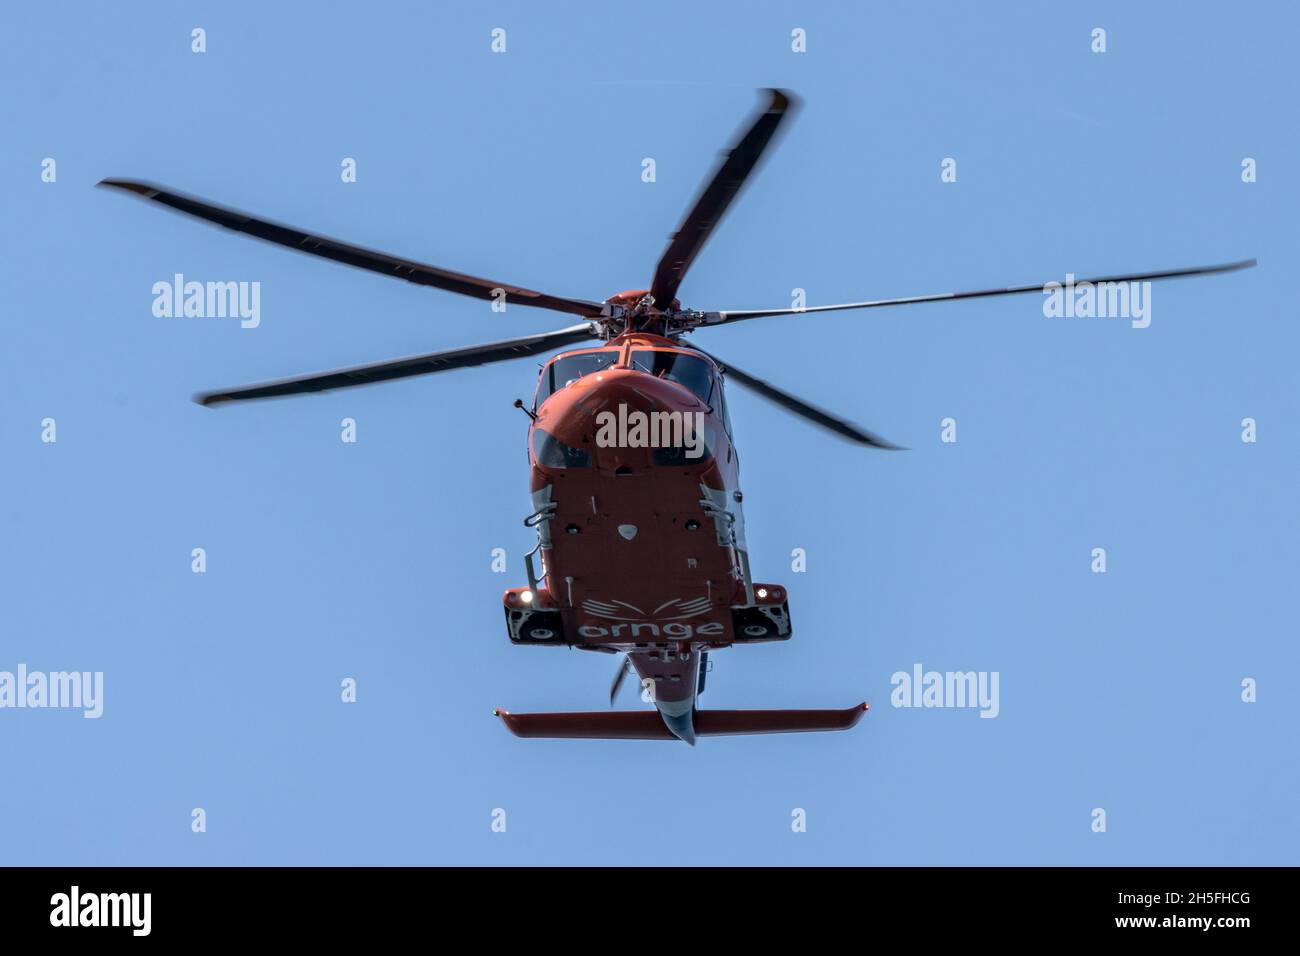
(641, 392)
(624, 415)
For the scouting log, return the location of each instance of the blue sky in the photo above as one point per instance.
(372, 560)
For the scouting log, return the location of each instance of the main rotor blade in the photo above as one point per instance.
(380, 262)
(714, 200)
(721, 318)
(405, 367)
(801, 408)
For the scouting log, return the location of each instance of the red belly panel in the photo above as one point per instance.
(634, 558)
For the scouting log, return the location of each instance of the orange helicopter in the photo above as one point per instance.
(635, 479)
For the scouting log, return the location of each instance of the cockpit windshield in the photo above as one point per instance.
(689, 370)
(692, 371)
(569, 368)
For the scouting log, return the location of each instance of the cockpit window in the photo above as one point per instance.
(553, 453)
(689, 370)
(569, 368)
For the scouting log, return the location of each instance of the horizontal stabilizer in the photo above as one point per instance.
(647, 724)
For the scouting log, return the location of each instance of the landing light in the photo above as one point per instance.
(762, 592)
(526, 597)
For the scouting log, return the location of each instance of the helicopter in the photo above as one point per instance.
(634, 473)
